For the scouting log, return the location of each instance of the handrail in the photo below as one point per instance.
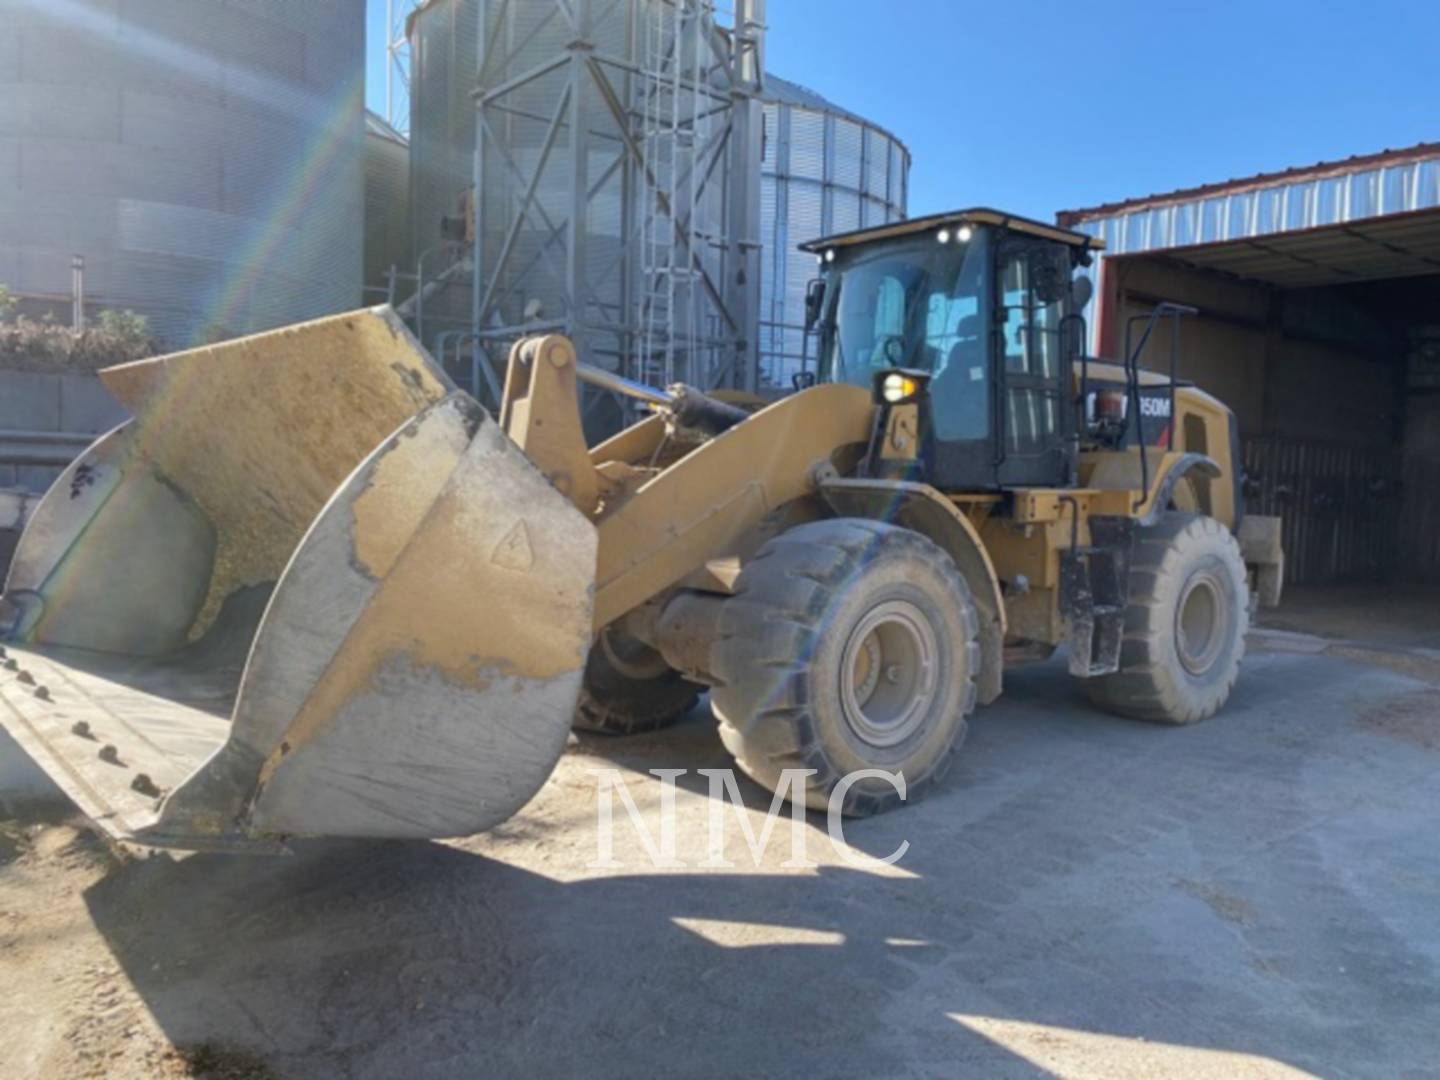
(1132, 378)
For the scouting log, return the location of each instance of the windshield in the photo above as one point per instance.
(918, 306)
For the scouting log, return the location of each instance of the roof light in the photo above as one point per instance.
(830, 255)
(964, 234)
(943, 236)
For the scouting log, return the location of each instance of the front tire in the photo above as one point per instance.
(849, 644)
(1185, 624)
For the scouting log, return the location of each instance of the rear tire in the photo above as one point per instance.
(1185, 624)
(629, 689)
(849, 644)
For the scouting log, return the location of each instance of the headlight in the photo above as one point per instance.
(894, 387)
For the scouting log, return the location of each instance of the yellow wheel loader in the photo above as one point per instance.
(313, 589)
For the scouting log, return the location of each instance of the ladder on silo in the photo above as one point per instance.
(672, 119)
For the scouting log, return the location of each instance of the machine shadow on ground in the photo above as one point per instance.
(1073, 871)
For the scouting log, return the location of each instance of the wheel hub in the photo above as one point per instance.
(889, 673)
(1200, 620)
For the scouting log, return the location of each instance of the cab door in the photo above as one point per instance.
(1033, 424)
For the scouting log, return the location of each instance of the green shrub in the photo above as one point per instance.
(127, 329)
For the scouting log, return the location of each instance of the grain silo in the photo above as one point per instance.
(387, 210)
(205, 159)
(825, 171)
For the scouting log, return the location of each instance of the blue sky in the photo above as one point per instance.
(1040, 105)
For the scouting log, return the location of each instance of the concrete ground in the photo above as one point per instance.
(1082, 896)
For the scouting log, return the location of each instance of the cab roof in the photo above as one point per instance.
(979, 215)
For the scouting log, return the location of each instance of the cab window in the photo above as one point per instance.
(919, 307)
(1033, 278)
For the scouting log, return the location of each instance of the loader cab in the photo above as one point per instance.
(969, 320)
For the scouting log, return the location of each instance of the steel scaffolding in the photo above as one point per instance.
(617, 170)
(397, 64)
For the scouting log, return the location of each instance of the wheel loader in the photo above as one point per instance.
(313, 589)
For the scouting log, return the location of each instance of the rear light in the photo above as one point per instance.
(1108, 407)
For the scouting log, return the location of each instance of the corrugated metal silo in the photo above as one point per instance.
(825, 170)
(387, 207)
(444, 45)
(206, 159)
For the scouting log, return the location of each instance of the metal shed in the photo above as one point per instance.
(1318, 297)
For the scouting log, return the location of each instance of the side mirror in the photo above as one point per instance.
(814, 302)
(1082, 289)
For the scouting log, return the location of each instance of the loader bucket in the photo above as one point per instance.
(310, 589)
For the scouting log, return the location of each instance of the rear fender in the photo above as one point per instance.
(1190, 464)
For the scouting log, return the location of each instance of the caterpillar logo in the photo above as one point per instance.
(1155, 407)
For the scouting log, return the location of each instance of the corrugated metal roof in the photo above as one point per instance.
(1354, 163)
(1400, 245)
(1341, 196)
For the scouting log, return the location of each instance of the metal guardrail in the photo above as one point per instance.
(52, 448)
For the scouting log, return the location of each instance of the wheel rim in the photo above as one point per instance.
(1200, 621)
(888, 674)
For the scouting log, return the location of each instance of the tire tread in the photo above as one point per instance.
(766, 724)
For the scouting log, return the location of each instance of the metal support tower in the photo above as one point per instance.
(617, 172)
(397, 64)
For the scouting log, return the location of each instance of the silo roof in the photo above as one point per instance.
(785, 92)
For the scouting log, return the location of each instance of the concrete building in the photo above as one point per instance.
(1318, 297)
